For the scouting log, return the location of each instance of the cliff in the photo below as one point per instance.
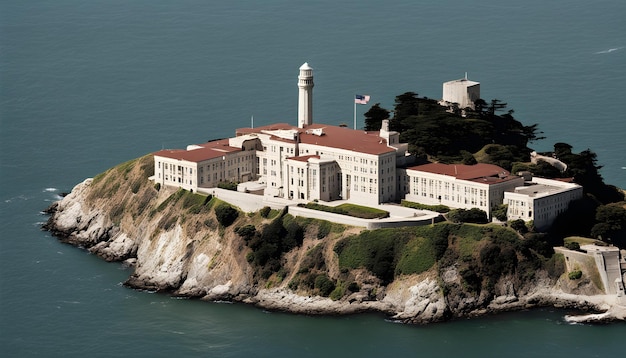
(184, 244)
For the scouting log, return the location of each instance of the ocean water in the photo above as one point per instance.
(85, 85)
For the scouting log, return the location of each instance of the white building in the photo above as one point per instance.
(324, 162)
(304, 163)
(207, 164)
(462, 92)
(541, 200)
(481, 186)
(327, 162)
(305, 96)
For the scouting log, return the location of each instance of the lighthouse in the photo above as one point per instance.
(305, 96)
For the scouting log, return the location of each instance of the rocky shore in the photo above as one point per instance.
(176, 253)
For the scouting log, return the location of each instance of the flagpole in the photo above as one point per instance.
(355, 113)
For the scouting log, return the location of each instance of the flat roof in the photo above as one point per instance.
(206, 151)
(329, 136)
(535, 190)
(465, 81)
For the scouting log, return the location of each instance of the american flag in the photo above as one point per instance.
(361, 99)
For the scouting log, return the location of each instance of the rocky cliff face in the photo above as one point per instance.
(177, 246)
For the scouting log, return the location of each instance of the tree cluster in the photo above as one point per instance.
(268, 244)
(433, 130)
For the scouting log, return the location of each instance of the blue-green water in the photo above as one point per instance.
(85, 85)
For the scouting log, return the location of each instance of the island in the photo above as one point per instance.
(441, 212)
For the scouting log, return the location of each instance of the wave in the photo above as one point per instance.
(51, 189)
(609, 50)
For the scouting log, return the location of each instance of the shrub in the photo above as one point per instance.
(246, 231)
(358, 211)
(324, 285)
(323, 229)
(280, 235)
(226, 214)
(519, 225)
(337, 293)
(473, 215)
(575, 275)
(228, 185)
(354, 287)
(435, 208)
(265, 211)
(499, 212)
(572, 245)
(157, 186)
(136, 186)
(293, 284)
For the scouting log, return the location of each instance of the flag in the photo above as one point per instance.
(361, 99)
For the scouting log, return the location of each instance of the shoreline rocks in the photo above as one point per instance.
(202, 263)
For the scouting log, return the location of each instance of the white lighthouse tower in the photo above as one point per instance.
(305, 96)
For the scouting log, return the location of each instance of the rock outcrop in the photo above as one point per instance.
(178, 247)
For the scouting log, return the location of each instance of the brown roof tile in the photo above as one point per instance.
(209, 150)
(333, 137)
(481, 172)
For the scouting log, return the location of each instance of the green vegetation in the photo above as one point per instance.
(473, 215)
(482, 253)
(611, 224)
(246, 231)
(575, 275)
(265, 211)
(490, 134)
(435, 208)
(314, 260)
(499, 212)
(358, 211)
(228, 185)
(572, 245)
(324, 285)
(432, 130)
(226, 214)
(418, 256)
(582, 241)
(323, 229)
(268, 244)
(374, 117)
(519, 225)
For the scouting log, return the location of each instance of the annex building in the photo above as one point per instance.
(463, 92)
(460, 186)
(541, 200)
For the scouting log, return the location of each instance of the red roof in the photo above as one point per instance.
(333, 137)
(480, 172)
(304, 158)
(209, 150)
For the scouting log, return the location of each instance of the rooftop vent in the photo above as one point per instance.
(317, 131)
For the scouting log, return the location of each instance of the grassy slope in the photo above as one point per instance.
(302, 250)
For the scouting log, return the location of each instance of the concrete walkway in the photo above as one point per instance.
(398, 215)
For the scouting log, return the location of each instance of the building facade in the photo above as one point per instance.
(313, 161)
(462, 92)
(541, 200)
(460, 186)
(304, 163)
